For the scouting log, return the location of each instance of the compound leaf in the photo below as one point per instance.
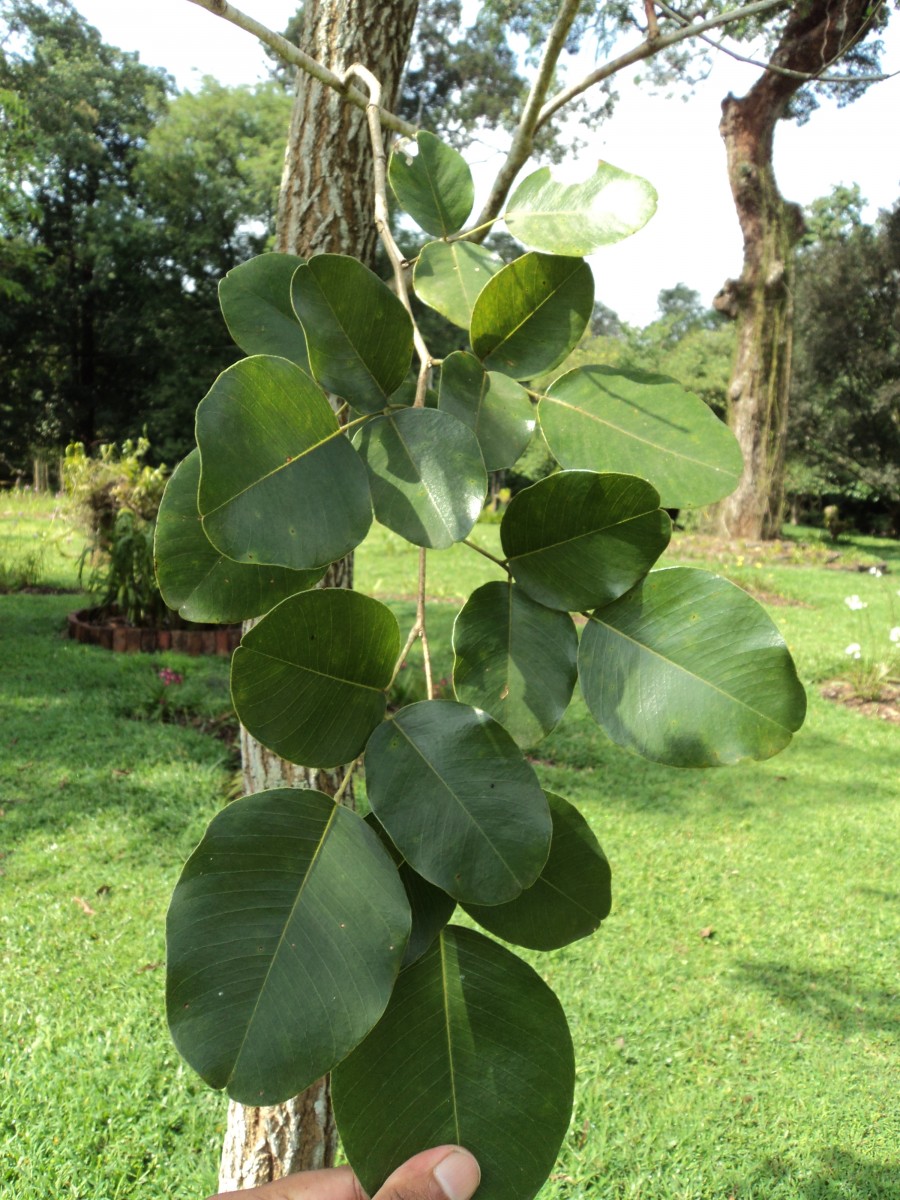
(434, 185)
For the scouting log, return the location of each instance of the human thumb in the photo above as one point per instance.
(444, 1173)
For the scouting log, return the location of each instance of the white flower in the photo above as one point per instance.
(854, 650)
(854, 603)
(894, 635)
(874, 571)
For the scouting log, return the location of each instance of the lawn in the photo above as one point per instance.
(735, 1019)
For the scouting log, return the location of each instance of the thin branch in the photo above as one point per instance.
(292, 54)
(345, 782)
(523, 138)
(501, 562)
(420, 621)
(382, 221)
(806, 76)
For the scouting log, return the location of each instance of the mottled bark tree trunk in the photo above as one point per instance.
(325, 205)
(816, 34)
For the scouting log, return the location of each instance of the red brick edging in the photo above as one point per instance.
(218, 639)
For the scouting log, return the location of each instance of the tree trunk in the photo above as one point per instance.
(325, 205)
(762, 299)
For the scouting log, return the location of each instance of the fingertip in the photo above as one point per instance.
(458, 1174)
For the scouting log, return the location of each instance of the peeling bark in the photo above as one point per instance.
(761, 301)
(325, 205)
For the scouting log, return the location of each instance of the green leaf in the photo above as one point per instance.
(434, 185)
(358, 334)
(473, 1050)
(515, 659)
(495, 408)
(425, 473)
(606, 418)
(532, 314)
(308, 680)
(687, 669)
(279, 483)
(579, 218)
(571, 897)
(198, 581)
(285, 935)
(443, 779)
(449, 275)
(578, 539)
(255, 298)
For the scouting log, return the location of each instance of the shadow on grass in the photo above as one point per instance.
(826, 996)
(839, 1175)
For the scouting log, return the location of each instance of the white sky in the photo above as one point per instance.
(694, 237)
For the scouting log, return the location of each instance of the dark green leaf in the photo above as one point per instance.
(285, 935)
(579, 218)
(255, 298)
(571, 897)
(358, 334)
(445, 781)
(473, 1050)
(195, 578)
(434, 185)
(515, 659)
(425, 473)
(449, 275)
(279, 483)
(578, 539)
(687, 669)
(605, 418)
(495, 408)
(308, 680)
(532, 314)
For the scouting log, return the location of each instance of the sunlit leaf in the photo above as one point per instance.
(579, 218)
(495, 407)
(198, 581)
(687, 669)
(308, 679)
(578, 538)
(606, 418)
(570, 898)
(532, 314)
(426, 475)
(279, 482)
(434, 184)
(284, 938)
(449, 275)
(473, 1049)
(443, 779)
(515, 659)
(255, 298)
(358, 334)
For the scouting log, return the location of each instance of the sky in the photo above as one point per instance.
(694, 237)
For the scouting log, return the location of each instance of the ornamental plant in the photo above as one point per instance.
(302, 937)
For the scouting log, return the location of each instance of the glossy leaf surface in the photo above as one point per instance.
(308, 680)
(449, 275)
(255, 298)
(458, 800)
(426, 475)
(605, 419)
(358, 334)
(285, 935)
(687, 669)
(495, 408)
(473, 1050)
(515, 659)
(195, 579)
(279, 483)
(530, 316)
(579, 218)
(434, 185)
(578, 539)
(571, 897)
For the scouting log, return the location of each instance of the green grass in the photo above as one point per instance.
(758, 1062)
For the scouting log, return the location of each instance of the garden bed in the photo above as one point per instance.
(94, 627)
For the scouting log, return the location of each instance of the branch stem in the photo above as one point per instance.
(501, 562)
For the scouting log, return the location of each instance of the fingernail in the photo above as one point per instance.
(458, 1174)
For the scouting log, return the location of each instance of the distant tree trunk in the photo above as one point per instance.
(816, 34)
(325, 205)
